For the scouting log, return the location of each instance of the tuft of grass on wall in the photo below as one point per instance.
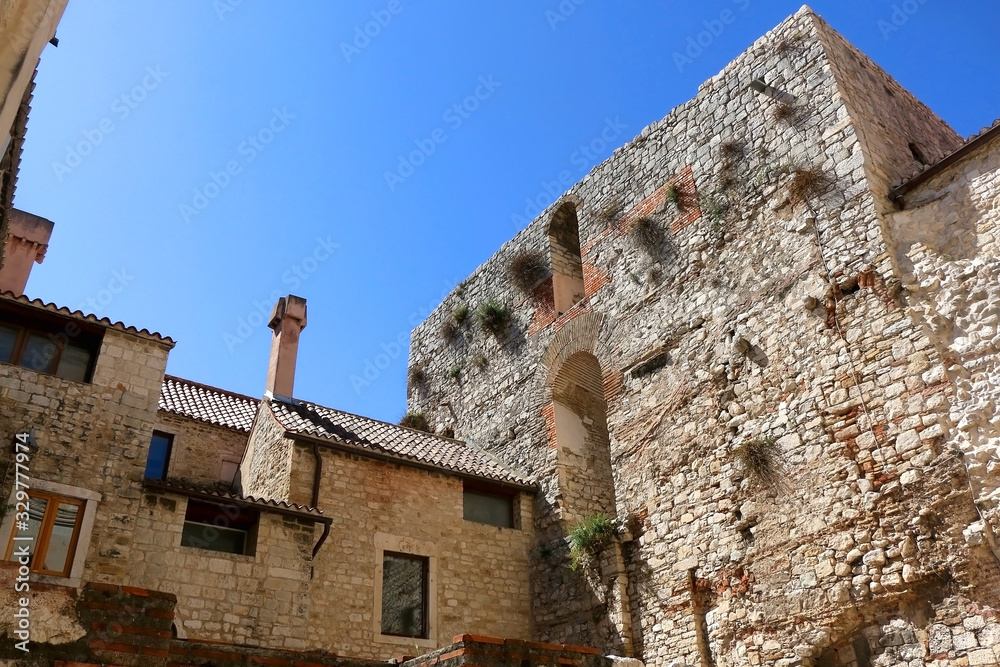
(418, 376)
(805, 183)
(527, 269)
(415, 420)
(493, 317)
(648, 235)
(761, 461)
(460, 314)
(588, 537)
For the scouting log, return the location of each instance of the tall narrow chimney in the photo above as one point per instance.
(288, 319)
(26, 242)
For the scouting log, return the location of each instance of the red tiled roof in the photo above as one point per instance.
(213, 494)
(207, 404)
(93, 319)
(397, 442)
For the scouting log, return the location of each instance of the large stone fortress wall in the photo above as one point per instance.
(742, 273)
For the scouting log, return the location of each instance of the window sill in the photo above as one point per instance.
(209, 553)
(50, 580)
(406, 641)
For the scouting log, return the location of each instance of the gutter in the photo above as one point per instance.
(261, 505)
(896, 194)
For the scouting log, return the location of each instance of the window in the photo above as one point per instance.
(56, 347)
(159, 455)
(224, 528)
(50, 534)
(404, 595)
(484, 505)
(567, 263)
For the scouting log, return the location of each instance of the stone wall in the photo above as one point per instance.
(259, 600)
(480, 573)
(946, 244)
(200, 449)
(92, 435)
(778, 420)
(266, 466)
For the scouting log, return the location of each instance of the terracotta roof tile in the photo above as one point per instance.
(207, 492)
(93, 319)
(207, 404)
(394, 441)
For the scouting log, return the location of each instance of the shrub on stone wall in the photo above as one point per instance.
(418, 376)
(493, 317)
(527, 269)
(588, 537)
(460, 314)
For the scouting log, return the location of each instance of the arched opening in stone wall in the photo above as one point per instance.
(567, 262)
(586, 483)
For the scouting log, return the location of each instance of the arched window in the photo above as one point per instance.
(567, 264)
(586, 484)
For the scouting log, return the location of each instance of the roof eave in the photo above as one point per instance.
(348, 448)
(897, 193)
(155, 485)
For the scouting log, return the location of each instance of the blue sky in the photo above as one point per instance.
(201, 158)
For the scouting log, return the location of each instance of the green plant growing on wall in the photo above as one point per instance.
(493, 317)
(480, 361)
(714, 210)
(455, 371)
(460, 314)
(588, 537)
(673, 195)
(527, 269)
(415, 420)
(761, 462)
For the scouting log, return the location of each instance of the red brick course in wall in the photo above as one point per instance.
(481, 651)
(594, 278)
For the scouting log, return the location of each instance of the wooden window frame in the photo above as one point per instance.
(87, 338)
(45, 533)
(486, 489)
(166, 459)
(425, 607)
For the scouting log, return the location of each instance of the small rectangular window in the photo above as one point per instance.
(404, 595)
(50, 533)
(224, 528)
(484, 506)
(159, 455)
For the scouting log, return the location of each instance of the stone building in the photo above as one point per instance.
(732, 400)
(762, 337)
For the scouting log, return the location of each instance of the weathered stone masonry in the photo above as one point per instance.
(770, 310)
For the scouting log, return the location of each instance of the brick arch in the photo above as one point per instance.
(580, 334)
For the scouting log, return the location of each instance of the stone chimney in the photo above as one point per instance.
(26, 242)
(288, 319)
